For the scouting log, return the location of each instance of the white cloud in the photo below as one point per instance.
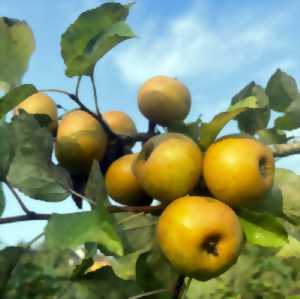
(189, 47)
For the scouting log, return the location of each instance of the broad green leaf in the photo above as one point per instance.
(282, 90)
(95, 187)
(92, 35)
(154, 272)
(255, 119)
(6, 148)
(209, 131)
(2, 200)
(125, 266)
(272, 136)
(262, 229)
(291, 249)
(137, 231)
(8, 259)
(14, 97)
(289, 184)
(31, 169)
(17, 45)
(190, 129)
(291, 119)
(271, 203)
(101, 284)
(73, 230)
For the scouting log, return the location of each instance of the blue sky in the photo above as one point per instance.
(214, 47)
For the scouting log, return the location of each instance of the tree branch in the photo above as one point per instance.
(178, 287)
(30, 217)
(285, 150)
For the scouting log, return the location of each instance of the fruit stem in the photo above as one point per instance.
(95, 93)
(77, 86)
(179, 286)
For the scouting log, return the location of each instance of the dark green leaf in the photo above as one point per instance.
(15, 96)
(17, 45)
(92, 35)
(154, 272)
(289, 184)
(31, 170)
(255, 119)
(282, 90)
(191, 129)
(291, 119)
(6, 148)
(262, 229)
(2, 200)
(95, 187)
(272, 136)
(8, 259)
(72, 230)
(209, 131)
(137, 231)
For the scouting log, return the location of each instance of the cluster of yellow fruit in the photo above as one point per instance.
(198, 231)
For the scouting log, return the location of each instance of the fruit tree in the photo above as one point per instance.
(170, 209)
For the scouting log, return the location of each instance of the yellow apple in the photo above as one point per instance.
(168, 166)
(40, 103)
(80, 140)
(120, 123)
(164, 100)
(238, 171)
(122, 185)
(200, 236)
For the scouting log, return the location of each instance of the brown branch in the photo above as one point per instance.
(134, 209)
(27, 217)
(285, 150)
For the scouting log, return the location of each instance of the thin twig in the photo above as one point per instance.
(95, 93)
(33, 216)
(36, 238)
(134, 209)
(77, 86)
(186, 288)
(18, 198)
(285, 149)
(147, 294)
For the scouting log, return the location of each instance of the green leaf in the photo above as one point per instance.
(2, 200)
(282, 90)
(14, 97)
(95, 187)
(31, 169)
(8, 259)
(262, 229)
(291, 119)
(289, 184)
(154, 272)
(125, 266)
(291, 249)
(16, 47)
(6, 148)
(137, 231)
(92, 35)
(73, 230)
(272, 136)
(209, 131)
(255, 119)
(191, 129)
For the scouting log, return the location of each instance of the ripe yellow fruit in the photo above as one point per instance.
(164, 100)
(122, 185)
(200, 236)
(238, 171)
(120, 123)
(168, 166)
(80, 140)
(40, 103)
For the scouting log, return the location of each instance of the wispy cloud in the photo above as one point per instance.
(188, 46)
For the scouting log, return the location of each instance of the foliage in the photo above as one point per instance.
(125, 236)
